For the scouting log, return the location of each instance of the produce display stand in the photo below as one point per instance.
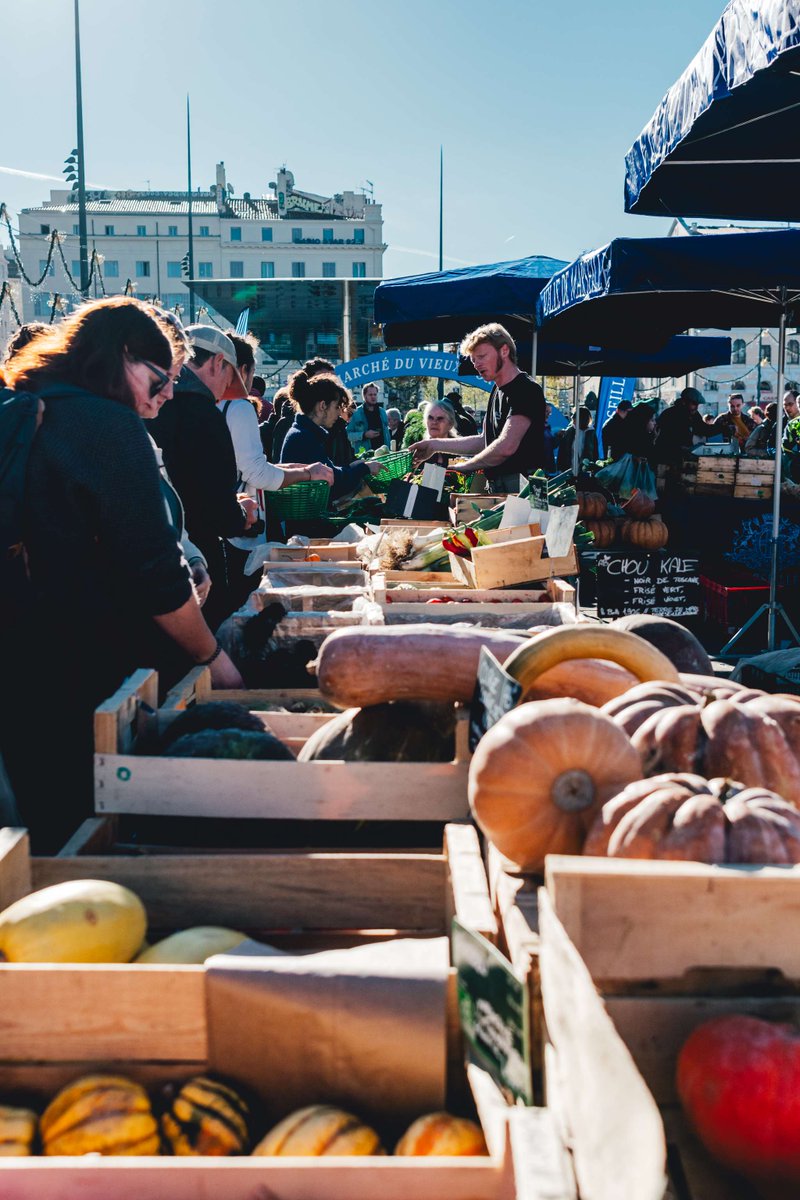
(667, 945)
(489, 608)
(149, 1022)
(148, 785)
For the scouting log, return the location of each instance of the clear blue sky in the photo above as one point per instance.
(534, 102)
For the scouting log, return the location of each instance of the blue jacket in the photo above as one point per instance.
(307, 442)
(357, 426)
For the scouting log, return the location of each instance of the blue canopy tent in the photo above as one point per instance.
(723, 141)
(669, 284)
(679, 356)
(508, 291)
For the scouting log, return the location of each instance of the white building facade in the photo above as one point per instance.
(142, 238)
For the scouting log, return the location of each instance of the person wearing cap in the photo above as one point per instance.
(678, 426)
(256, 473)
(614, 429)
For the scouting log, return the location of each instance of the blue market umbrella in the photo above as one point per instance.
(723, 141)
(669, 284)
(679, 356)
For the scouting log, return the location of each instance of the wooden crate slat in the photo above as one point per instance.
(15, 865)
(332, 791)
(272, 891)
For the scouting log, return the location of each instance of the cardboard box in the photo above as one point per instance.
(140, 783)
(633, 956)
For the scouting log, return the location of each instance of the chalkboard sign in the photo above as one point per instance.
(496, 693)
(494, 1010)
(662, 584)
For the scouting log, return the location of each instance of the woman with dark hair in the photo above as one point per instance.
(107, 578)
(318, 402)
(587, 440)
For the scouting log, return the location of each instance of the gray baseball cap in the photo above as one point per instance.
(206, 337)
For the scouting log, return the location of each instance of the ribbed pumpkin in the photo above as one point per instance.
(753, 738)
(318, 1131)
(686, 817)
(100, 1114)
(81, 920)
(439, 1133)
(591, 506)
(17, 1131)
(207, 1117)
(604, 532)
(651, 534)
(632, 708)
(541, 774)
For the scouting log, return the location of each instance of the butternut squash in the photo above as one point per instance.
(358, 667)
(564, 644)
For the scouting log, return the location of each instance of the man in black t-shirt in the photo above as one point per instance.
(512, 442)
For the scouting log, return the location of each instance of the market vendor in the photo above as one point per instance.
(678, 426)
(512, 442)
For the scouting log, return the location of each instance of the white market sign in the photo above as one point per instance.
(392, 364)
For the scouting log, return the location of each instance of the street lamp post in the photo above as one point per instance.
(81, 170)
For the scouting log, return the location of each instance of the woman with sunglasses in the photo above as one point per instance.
(107, 577)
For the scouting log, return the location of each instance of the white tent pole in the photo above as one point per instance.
(776, 495)
(576, 453)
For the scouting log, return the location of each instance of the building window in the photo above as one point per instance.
(766, 385)
(327, 235)
(738, 352)
(236, 233)
(205, 270)
(712, 385)
(266, 234)
(141, 231)
(237, 270)
(329, 270)
(297, 235)
(766, 352)
(358, 237)
(793, 351)
(359, 270)
(109, 230)
(268, 270)
(76, 268)
(298, 270)
(205, 231)
(739, 385)
(45, 229)
(76, 229)
(143, 268)
(173, 270)
(111, 268)
(172, 231)
(51, 270)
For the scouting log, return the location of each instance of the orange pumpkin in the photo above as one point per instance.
(651, 534)
(603, 531)
(591, 506)
(541, 774)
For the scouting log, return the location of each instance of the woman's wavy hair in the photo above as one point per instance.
(89, 349)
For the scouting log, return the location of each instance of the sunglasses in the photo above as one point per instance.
(162, 379)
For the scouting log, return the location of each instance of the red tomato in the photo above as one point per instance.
(739, 1081)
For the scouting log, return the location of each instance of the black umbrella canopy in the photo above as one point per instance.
(723, 141)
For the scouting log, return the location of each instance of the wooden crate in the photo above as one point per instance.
(667, 945)
(317, 900)
(127, 782)
(337, 552)
(506, 563)
(149, 1022)
(481, 606)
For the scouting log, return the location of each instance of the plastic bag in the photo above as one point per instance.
(626, 475)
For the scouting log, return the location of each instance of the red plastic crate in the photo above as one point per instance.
(730, 605)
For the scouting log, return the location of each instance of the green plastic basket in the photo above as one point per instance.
(393, 466)
(299, 501)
